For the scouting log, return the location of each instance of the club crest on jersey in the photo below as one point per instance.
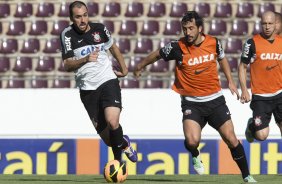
(96, 36)
(258, 121)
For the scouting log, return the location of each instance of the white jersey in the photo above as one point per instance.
(75, 45)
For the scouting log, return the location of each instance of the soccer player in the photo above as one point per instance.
(263, 53)
(84, 51)
(278, 21)
(197, 82)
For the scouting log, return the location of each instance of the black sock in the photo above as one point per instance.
(116, 138)
(239, 157)
(194, 151)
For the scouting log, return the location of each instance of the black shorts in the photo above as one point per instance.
(95, 101)
(214, 112)
(262, 111)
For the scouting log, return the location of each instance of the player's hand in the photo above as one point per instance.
(234, 89)
(93, 56)
(137, 71)
(245, 97)
(121, 73)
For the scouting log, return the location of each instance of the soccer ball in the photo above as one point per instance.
(115, 171)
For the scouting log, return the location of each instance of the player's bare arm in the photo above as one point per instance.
(242, 73)
(118, 56)
(71, 64)
(151, 58)
(226, 70)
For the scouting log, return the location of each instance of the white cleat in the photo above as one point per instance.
(198, 165)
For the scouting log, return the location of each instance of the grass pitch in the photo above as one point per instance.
(138, 179)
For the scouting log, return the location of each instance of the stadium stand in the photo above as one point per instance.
(38, 83)
(129, 83)
(31, 29)
(23, 64)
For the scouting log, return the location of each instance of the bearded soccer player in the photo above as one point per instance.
(84, 51)
(197, 82)
(263, 53)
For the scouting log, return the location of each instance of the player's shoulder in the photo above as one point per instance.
(67, 31)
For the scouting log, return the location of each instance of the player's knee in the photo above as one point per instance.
(261, 135)
(191, 143)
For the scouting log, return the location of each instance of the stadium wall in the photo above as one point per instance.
(48, 132)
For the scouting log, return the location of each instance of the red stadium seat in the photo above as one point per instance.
(143, 46)
(9, 46)
(239, 28)
(154, 83)
(16, 83)
(134, 9)
(129, 83)
(245, 10)
(265, 6)
(124, 45)
(256, 27)
(59, 26)
(164, 41)
(160, 66)
(23, 10)
(217, 27)
(45, 9)
(4, 64)
(150, 27)
(156, 9)
(38, 83)
(172, 27)
(128, 27)
(23, 64)
(178, 9)
(203, 9)
(233, 46)
(38, 27)
(112, 9)
(52, 45)
(109, 25)
(223, 10)
(31, 45)
(45, 64)
(64, 9)
(16, 28)
(4, 10)
(134, 60)
(93, 9)
(61, 83)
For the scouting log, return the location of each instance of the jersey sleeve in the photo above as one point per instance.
(66, 44)
(249, 51)
(109, 40)
(171, 51)
(219, 50)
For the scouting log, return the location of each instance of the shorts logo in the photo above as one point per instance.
(258, 121)
(187, 112)
(96, 36)
(116, 101)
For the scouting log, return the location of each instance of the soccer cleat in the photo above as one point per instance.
(249, 179)
(129, 151)
(198, 165)
(248, 133)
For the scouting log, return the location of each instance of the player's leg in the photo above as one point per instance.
(237, 150)
(111, 102)
(193, 123)
(192, 132)
(258, 126)
(278, 114)
(220, 119)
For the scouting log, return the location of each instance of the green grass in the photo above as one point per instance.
(138, 179)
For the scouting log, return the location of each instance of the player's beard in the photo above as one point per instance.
(78, 30)
(193, 40)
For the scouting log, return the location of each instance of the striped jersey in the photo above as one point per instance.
(75, 45)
